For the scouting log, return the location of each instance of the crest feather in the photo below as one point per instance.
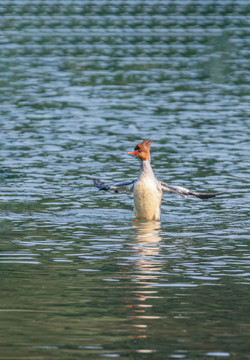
(145, 143)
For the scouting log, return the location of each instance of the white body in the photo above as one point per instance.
(147, 194)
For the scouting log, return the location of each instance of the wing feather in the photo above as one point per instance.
(122, 187)
(186, 192)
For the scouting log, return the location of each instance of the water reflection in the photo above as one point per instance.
(147, 231)
(147, 246)
(147, 271)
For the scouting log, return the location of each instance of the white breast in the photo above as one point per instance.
(147, 199)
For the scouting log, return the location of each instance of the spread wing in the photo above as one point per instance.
(185, 192)
(123, 187)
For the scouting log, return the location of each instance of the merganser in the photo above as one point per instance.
(147, 190)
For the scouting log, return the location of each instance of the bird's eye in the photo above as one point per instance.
(139, 151)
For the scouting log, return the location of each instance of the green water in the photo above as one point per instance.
(82, 82)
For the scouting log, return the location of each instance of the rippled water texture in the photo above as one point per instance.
(81, 83)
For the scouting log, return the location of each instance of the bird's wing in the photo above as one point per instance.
(185, 192)
(123, 187)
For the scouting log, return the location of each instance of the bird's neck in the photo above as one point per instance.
(146, 169)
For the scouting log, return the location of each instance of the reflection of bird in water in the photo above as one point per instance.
(147, 246)
(147, 271)
(147, 231)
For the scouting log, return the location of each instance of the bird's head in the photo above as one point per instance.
(142, 150)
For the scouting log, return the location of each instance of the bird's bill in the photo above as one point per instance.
(133, 153)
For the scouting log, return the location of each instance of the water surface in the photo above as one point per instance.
(81, 83)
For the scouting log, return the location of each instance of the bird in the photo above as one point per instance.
(146, 189)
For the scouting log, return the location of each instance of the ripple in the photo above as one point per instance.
(218, 354)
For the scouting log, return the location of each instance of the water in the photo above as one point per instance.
(82, 82)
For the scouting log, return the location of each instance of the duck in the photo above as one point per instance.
(147, 190)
